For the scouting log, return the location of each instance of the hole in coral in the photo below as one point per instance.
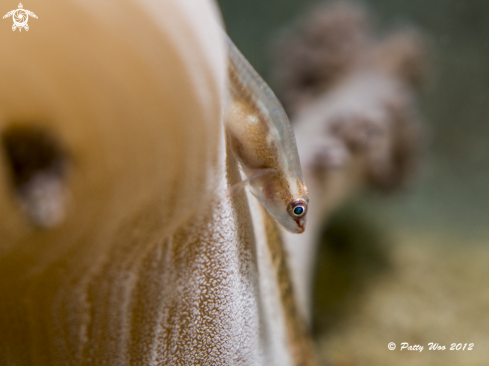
(37, 164)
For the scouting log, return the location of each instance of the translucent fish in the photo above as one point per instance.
(263, 141)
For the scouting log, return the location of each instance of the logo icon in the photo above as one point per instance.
(20, 16)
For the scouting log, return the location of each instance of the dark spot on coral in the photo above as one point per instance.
(30, 150)
(37, 165)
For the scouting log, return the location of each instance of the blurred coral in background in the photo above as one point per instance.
(408, 267)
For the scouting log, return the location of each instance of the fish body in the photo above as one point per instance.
(263, 141)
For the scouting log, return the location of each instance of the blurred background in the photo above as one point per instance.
(412, 266)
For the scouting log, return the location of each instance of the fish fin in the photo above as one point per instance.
(231, 190)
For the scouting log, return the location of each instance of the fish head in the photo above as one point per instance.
(287, 206)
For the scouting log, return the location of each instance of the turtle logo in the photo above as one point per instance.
(20, 16)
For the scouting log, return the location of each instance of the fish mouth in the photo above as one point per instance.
(301, 225)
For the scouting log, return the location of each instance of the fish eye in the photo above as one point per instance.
(298, 209)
